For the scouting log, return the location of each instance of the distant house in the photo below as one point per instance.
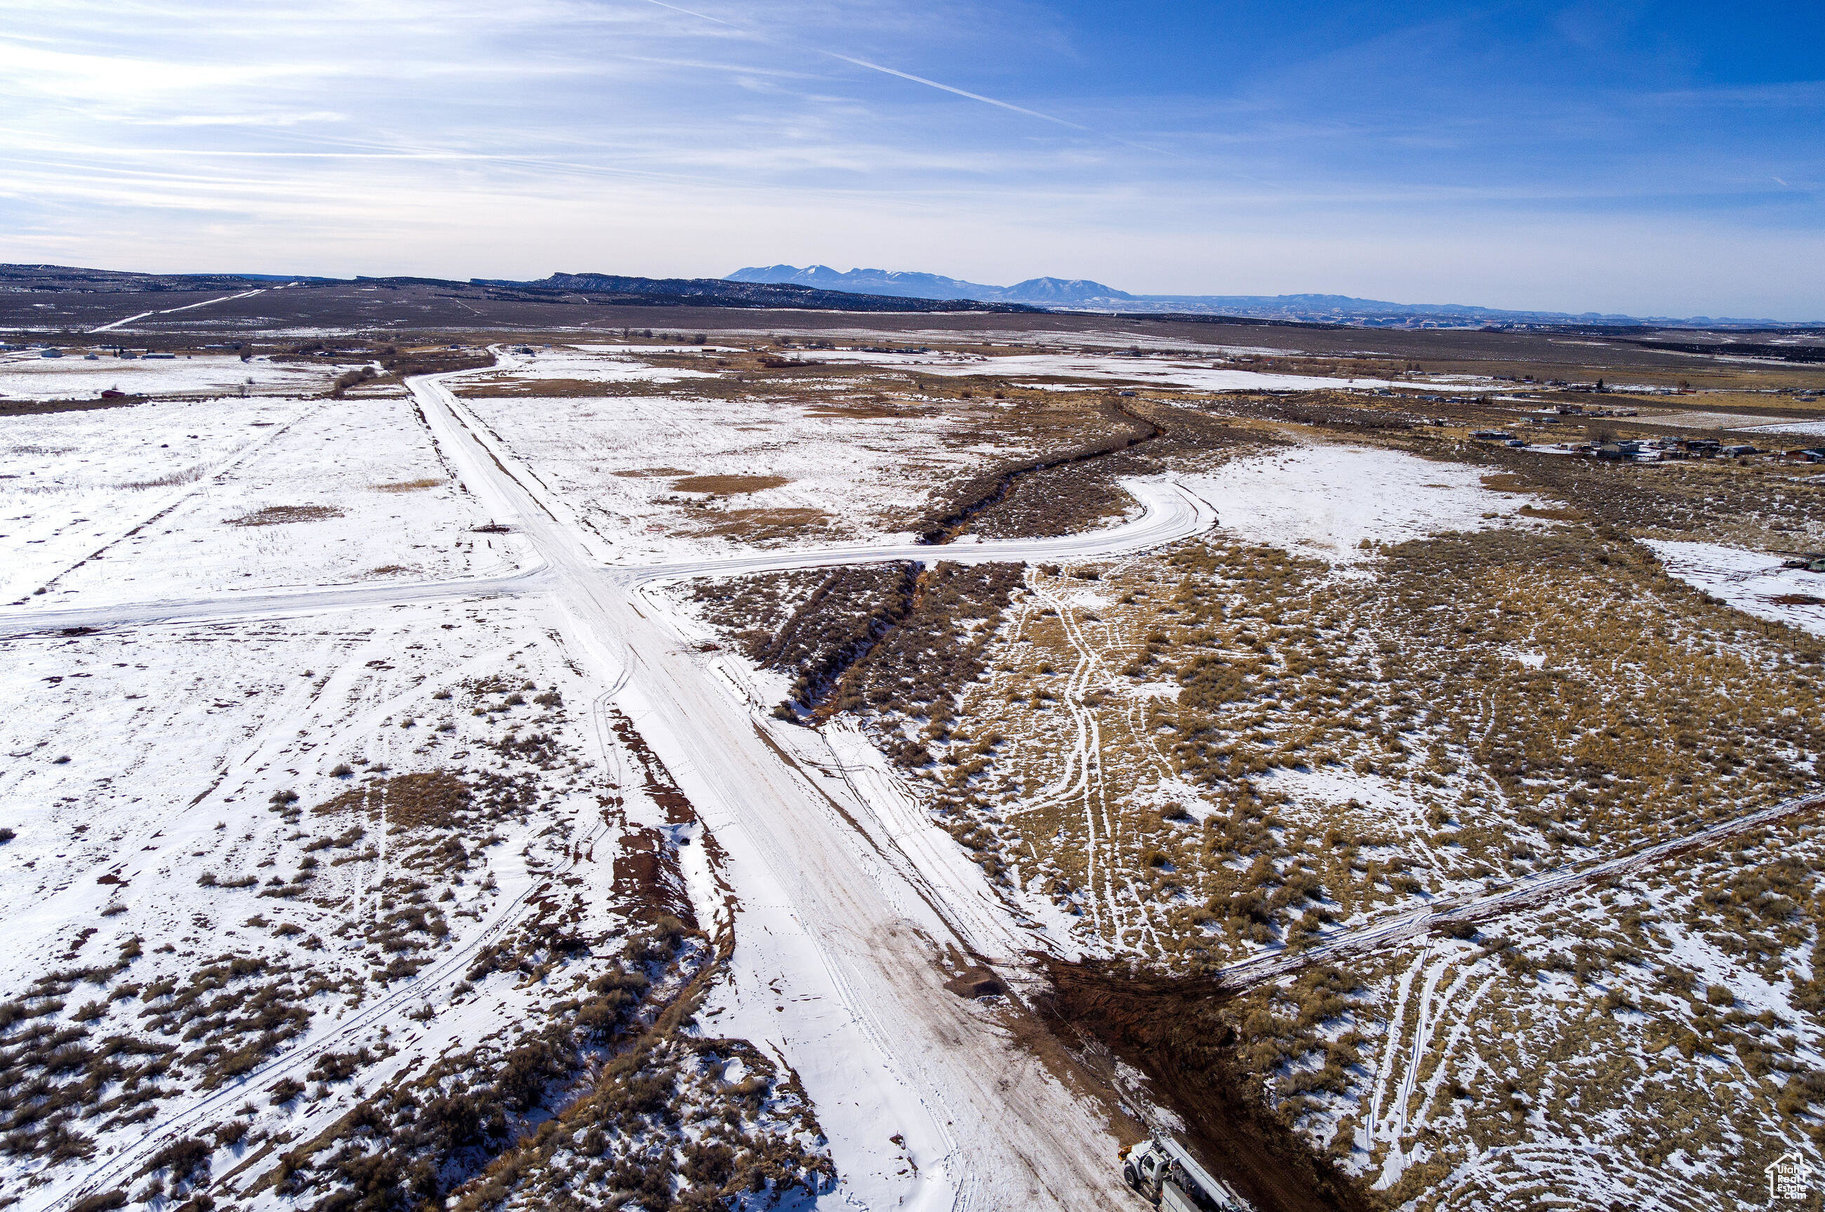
(50, 353)
(1492, 435)
(1741, 448)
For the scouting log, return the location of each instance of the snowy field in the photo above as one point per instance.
(1338, 502)
(593, 364)
(361, 845)
(1751, 581)
(1148, 371)
(27, 376)
(620, 461)
(1813, 429)
(173, 845)
(176, 499)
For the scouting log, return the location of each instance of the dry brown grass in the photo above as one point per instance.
(865, 410)
(279, 515)
(728, 485)
(169, 480)
(757, 524)
(432, 799)
(1551, 513)
(536, 389)
(409, 485)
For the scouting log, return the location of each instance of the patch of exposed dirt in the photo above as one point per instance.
(432, 799)
(976, 981)
(728, 485)
(761, 525)
(279, 515)
(31, 408)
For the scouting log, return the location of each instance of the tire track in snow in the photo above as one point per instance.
(1522, 894)
(212, 476)
(294, 1061)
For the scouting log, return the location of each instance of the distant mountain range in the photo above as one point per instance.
(566, 288)
(1082, 294)
(735, 292)
(821, 288)
(1034, 292)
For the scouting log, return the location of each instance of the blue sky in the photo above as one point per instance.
(1649, 158)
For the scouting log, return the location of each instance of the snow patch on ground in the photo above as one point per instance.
(1801, 427)
(1751, 581)
(1335, 785)
(1329, 501)
(138, 503)
(28, 376)
(591, 364)
(1160, 372)
(618, 459)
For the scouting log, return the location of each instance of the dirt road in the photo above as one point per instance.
(841, 937)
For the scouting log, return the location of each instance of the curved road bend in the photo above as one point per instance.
(1168, 512)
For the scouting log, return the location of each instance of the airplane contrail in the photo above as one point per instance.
(1007, 105)
(884, 70)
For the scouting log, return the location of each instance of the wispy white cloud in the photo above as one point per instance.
(986, 138)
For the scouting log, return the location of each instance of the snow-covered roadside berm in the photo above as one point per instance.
(180, 499)
(1752, 581)
(1339, 502)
